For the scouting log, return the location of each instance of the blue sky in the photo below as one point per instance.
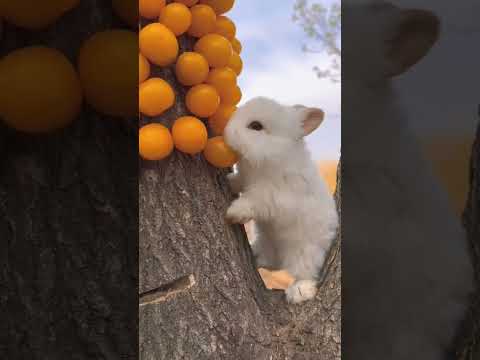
(276, 67)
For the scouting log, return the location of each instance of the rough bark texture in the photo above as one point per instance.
(469, 339)
(68, 223)
(200, 295)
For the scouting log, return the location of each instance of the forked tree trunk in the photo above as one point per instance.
(200, 295)
(68, 223)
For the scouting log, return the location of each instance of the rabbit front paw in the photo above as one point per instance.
(239, 212)
(301, 291)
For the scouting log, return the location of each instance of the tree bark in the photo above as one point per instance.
(68, 223)
(200, 294)
(468, 340)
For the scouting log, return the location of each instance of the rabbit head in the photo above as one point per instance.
(263, 130)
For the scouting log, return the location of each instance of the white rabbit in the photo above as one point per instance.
(295, 214)
(407, 273)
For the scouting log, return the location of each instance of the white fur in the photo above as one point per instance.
(408, 274)
(301, 290)
(295, 215)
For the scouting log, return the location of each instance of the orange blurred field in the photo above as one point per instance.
(328, 169)
(450, 159)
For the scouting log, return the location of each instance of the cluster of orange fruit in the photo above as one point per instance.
(44, 91)
(210, 72)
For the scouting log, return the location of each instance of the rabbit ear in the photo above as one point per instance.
(311, 118)
(415, 33)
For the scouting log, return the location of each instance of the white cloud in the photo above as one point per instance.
(251, 30)
(289, 78)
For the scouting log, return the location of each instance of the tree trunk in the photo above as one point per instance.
(68, 223)
(469, 344)
(200, 295)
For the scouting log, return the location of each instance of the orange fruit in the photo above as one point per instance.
(127, 10)
(155, 96)
(143, 68)
(108, 70)
(219, 120)
(225, 27)
(188, 3)
(230, 95)
(40, 90)
(154, 142)
(28, 14)
(158, 44)
(216, 49)
(236, 45)
(236, 63)
(176, 17)
(222, 78)
(189, 135)
(191, 69)
(150, 9)
(204, 21)
(220, 6)
(202, 100)
(219, 154)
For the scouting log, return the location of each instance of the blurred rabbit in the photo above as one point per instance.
(407, 273)
(295, 214)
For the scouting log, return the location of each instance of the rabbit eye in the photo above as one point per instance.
(255, 125)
